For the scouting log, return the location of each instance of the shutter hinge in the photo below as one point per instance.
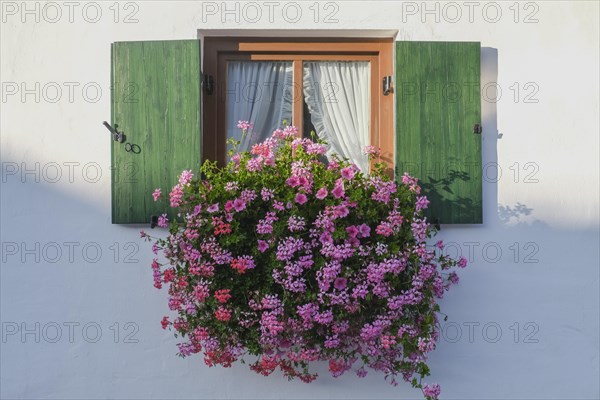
(208, 83)
(387, 85)
(477, 129)
(153, 221)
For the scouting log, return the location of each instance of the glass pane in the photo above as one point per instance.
(261, 93)
(338, 97)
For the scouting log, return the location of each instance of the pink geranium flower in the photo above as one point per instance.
(338, 192)
(321, 193)
(348, 173)
(301, 198)
(298, 259)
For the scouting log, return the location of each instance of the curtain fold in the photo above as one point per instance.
(261, 93)
(338, 97)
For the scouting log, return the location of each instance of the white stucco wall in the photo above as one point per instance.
(541, 291)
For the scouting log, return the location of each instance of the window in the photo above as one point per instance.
(427, 126)
(331, 87)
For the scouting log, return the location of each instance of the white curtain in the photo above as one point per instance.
(261, 93)
(338, 98)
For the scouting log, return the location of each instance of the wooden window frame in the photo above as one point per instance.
(218, 50)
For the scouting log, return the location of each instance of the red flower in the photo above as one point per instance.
(223, 314)
(165, 322)
(168, 275)
(222, 295)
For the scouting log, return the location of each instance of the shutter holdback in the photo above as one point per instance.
(116, 135)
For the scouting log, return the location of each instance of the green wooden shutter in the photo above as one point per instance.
(156, 104)
(438, 103)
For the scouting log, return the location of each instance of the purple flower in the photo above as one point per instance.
(267, 194)
(163, 221)
(321, 193)
(301, 198)
(340, 283)
(263, 246)
(296, 224)
(213, 208)
(278, 205)
(239, 205)
(453, 277)
(364, 231)
(462, 262)
(422, 203)
(432, 391)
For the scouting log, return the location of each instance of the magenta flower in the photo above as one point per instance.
(352, 231)
(321, 193)
(338, 191)
(310, 260)
(156, 194)
(348, 173)
(239, 205)
(293, 181)
(301, 198)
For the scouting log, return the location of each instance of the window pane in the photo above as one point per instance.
(261, 93)
(338, 96)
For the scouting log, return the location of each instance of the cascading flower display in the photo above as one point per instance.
(288, 258)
